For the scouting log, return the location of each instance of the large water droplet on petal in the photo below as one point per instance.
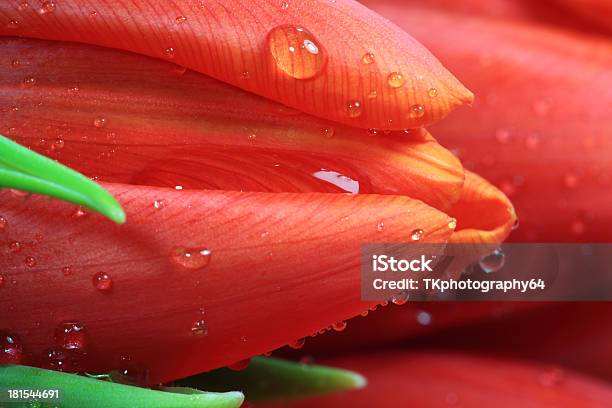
(493, 262)
(191, 258)
(296, 51)
(102, 281)
(416, 235)
(71, 335)
(11, 350)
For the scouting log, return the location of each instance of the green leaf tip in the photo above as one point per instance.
(24, 169)
(272, 379)
(77, 391)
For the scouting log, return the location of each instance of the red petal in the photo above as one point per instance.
(441, 379)
(231, 41)
(540, 127)
(281, 267)
(131, 119)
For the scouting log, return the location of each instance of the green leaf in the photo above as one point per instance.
(24, 169)
(271, 379)
(82, 392)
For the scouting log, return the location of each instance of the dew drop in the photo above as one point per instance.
(296, 51)
(373, 94)
(11, 349)
(191, 258)
(79, 213)
(170, 52)
(417, 111)
(416, 235)
(367, 58)
(15, 63)
(452, 223)
(66, 271)
(284, 5)
(30, 262)
(353, 109)
(372, 131)
(3, 223)
(297, 344)
(13, 24)
(395, 80)
(240, 365)
(400, 299)
(58, 144)
(380, 226)
(71, 336)
(102, 281)
(14, 246)
(199, 328)
(99, 122)
(327, 132)
(180, 19)
(493, 262)
(29, 81)
(47, 7)
(432, 92)
(339, 326)
(159, 204)
(56, 358)
(2, 280)
(423, 318)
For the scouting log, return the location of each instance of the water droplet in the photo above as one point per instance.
(58, 144)
(353, 109)
(66, 271)
(368, 58)
(159, 204)
(29, 81)
(2, 280)
(328, 132)
(416, 235)
(79, 212)
(11, 350)
(493, 262)
(395, 80)
(452, 223)
(199, 328)
(30, 262)
(170, 52)
(180, 19)
(56, 358)
(339, 326)
(516, 224)
(423, 318)
(432, 92)
(245, 75)
(297, 344)
(47, 7)
(102, 281)
(284, 5)
(191, 258)
(3, 223)
(99, 122)
(400, 299)
(71, 335)
(15, 63)
(380, 226)
(372, 131)
(296, 51)
(23, 6)
(240, 365)
(13, 24)
(373, 94)
(14, 246)
(417, 111)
